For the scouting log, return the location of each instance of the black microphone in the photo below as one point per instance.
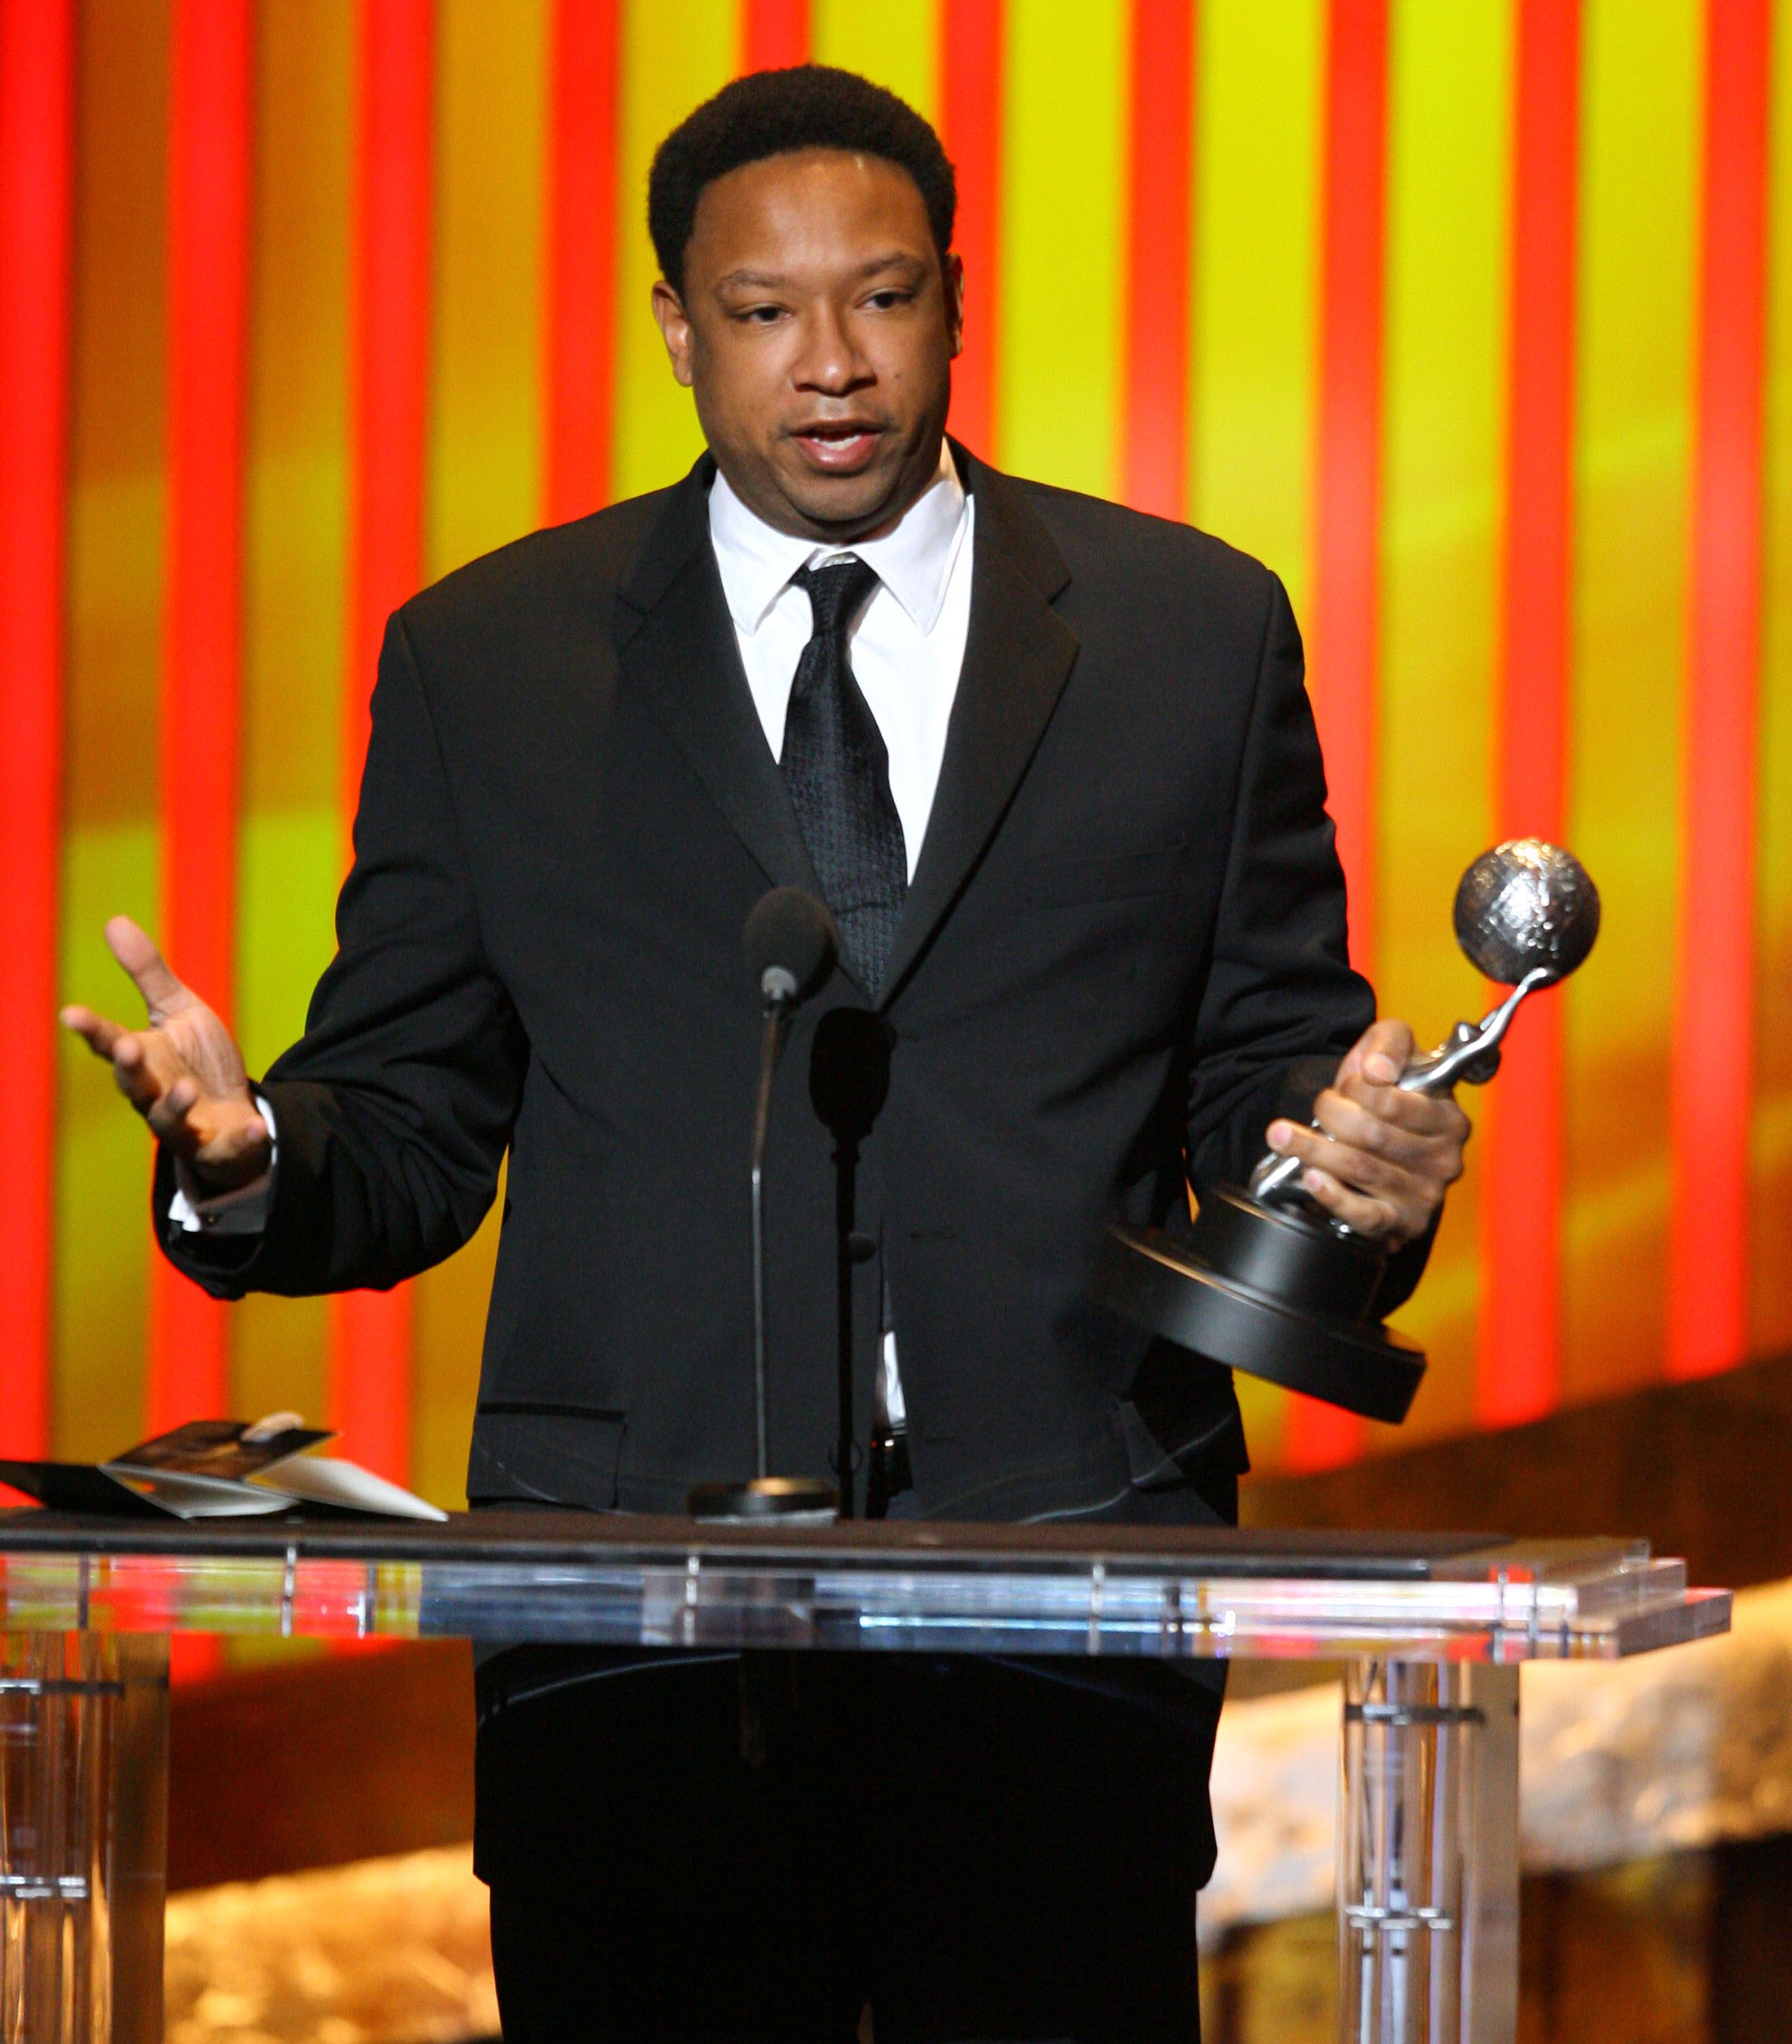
(790, 942)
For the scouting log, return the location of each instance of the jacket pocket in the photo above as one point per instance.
(546, 1454)
(1067, 883)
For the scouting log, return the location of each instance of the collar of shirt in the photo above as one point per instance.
(914, 563)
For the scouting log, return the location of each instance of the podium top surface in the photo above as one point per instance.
(519, 1539)
(1167, 1592)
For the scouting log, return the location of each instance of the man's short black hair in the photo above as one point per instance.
(772, 113)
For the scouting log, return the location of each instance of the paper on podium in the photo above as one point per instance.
(330, 1480)
(218, 1469)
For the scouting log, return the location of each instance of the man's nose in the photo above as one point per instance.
(829, 359)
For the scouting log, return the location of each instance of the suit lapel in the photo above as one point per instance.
(676, 646)
(1018, 656)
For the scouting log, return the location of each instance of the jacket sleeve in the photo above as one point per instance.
(1282, 1005)
(395, 1108)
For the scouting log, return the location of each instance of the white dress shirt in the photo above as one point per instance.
(907, 647)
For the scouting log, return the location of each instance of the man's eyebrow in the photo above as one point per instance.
(771, 280)
(897, 259)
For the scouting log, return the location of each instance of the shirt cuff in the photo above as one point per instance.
(242, 1211)
(891, 1414)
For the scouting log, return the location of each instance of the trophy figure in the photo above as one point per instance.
(1269, 1285)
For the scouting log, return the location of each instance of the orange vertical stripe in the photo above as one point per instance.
(1712, 1056)
(1519, 1361)
(1346, 510)
(37, 146)
(774, 34)
(970, 126)
(1154, 458)
(209, 175)
(370, 1331)
(389, 340)
(581, 279)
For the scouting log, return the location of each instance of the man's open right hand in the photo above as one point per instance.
(183, 1073)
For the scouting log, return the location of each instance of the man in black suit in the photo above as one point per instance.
(1051, 764)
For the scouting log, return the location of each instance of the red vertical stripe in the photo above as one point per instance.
(1154, 462)
(774, 33)
(1712, 1060)
(1348, 454)
(370, 1331)
(581, 309)
(970, 126)
(1347, 508)
(1519, 1365)
(208, 279)
(37, 144)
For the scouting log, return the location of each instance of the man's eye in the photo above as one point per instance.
(760, 315)
(886, 302)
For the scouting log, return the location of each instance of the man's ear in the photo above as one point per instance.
(674, 329)
(954, 276)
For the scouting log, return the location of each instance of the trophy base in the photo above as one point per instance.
(792, 1501)
(1264, 1290)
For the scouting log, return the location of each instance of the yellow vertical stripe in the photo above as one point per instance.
(893, 42)
(1059, 336)
(1449, 130)
(672, 58)
(1253, 341)
(296, 514)
(1642, 95)
(485, 465)
(1772, 1305)
(118, 369)
(1257, 131)
(485, 450)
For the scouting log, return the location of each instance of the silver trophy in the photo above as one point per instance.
(1268, 1283)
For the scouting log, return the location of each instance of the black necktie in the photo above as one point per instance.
(837, 770)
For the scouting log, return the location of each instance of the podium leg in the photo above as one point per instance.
(84, 1829)
(1427, 1835)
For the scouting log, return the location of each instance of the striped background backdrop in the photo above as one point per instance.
(1473, 318)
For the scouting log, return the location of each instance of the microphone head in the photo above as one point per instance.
(1526, 905)
(791, 942)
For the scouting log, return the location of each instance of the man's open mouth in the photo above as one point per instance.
(838, 445)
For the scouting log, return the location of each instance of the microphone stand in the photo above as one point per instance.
(796, 1498)
(779, 998)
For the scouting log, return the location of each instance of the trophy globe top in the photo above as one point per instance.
(1526, 907)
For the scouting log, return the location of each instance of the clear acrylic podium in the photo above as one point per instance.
(1433, 1630)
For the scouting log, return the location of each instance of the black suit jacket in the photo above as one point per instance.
(1126, 927)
